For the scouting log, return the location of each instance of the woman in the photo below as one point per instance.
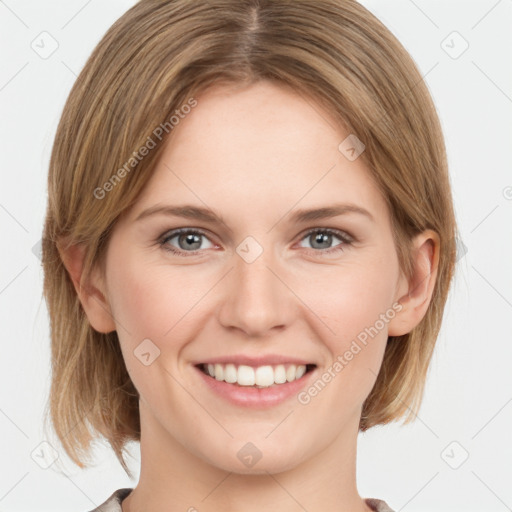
(248, 247)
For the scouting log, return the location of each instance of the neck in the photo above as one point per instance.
(174, 478)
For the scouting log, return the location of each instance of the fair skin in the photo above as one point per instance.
(254, 156)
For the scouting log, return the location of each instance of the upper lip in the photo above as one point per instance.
(262, 360)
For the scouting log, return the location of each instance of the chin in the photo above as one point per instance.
(270, 464)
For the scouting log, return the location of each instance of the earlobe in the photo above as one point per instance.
(415, 295)
(92, 294)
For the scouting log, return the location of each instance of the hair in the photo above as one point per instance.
(149, 64)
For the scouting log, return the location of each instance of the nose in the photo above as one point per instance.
(256, 299)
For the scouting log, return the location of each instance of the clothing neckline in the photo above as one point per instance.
(114, 502)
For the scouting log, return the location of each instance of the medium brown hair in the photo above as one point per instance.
(150, 63)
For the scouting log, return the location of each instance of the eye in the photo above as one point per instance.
(188, 240)
(321, 238)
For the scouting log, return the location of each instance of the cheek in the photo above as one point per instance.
(149, 300)
(354, 305)
(152, 302)
(350, 299)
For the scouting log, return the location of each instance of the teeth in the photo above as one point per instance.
(301, 370)
(245, 376)
(230, 374)
(261, 376)
(219, 372)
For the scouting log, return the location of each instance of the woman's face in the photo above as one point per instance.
(259, 285)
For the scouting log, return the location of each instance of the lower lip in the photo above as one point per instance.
(260, 398)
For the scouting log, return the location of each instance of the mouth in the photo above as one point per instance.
(265, 376)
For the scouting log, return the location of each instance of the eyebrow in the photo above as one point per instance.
(207, 215)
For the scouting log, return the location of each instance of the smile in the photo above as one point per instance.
(257, 387)
(259, 376)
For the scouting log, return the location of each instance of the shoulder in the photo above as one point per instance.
(378, 505)
(113, 503)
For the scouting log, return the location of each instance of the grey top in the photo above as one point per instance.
(113, 504)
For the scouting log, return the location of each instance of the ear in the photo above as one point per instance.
(415, 295)
(92, 294)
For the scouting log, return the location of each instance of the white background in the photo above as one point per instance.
(468, 397)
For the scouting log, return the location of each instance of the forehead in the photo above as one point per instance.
(260, 146)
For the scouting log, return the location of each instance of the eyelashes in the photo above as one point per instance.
(194, 236)
(177, 233)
